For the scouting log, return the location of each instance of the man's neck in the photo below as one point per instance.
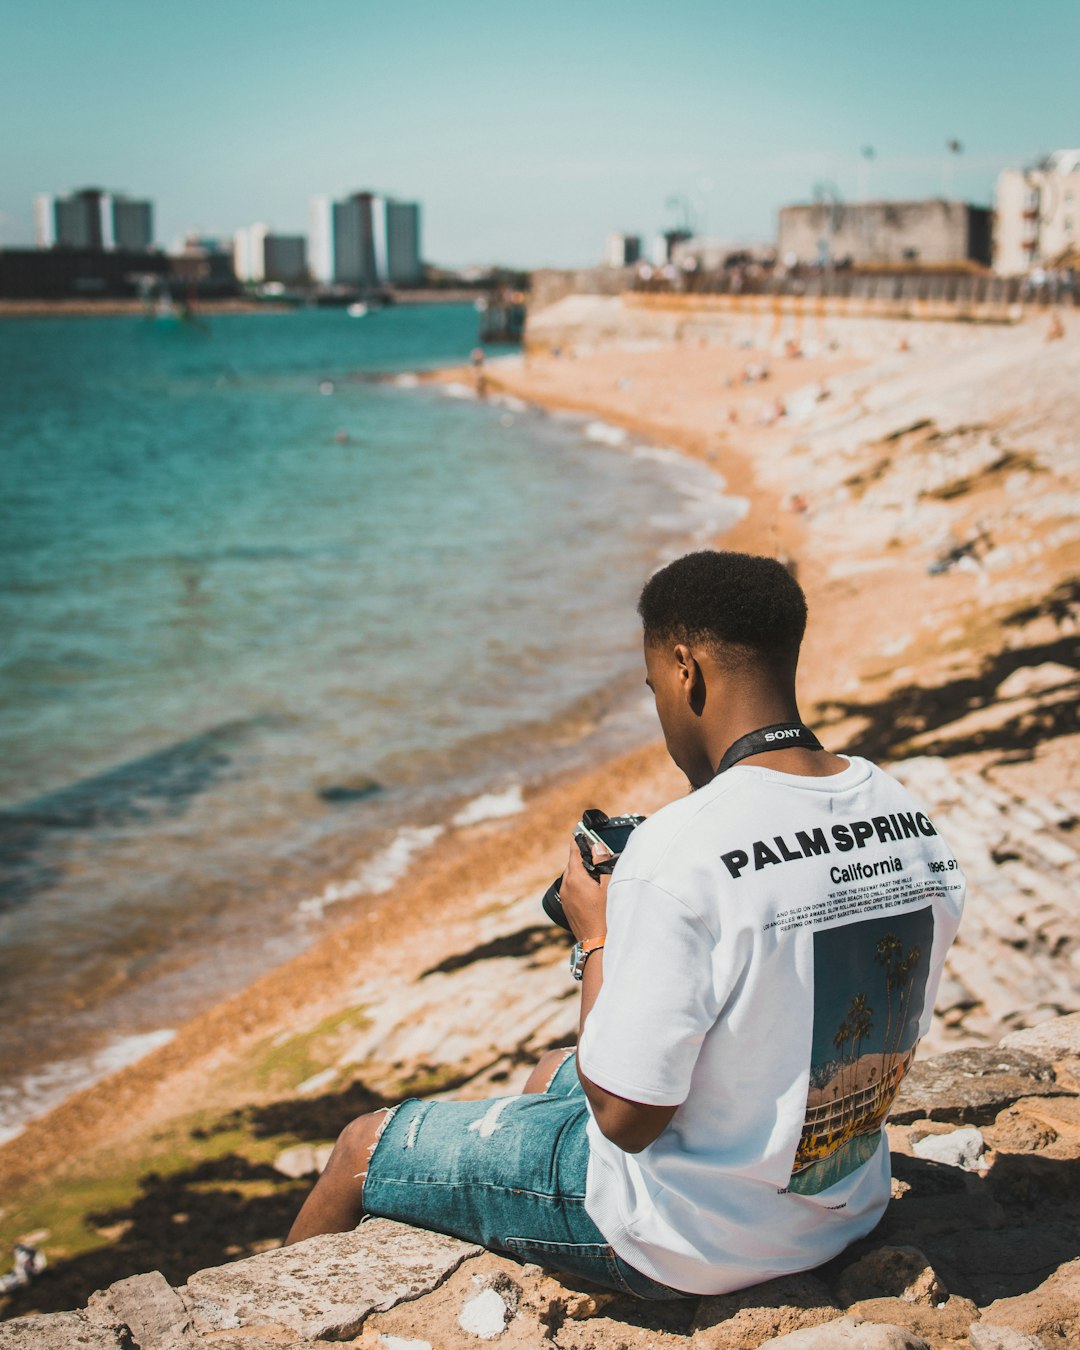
(739, 721)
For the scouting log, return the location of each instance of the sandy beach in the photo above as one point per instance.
(923, 480)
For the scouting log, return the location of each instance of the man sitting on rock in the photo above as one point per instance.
(755, 976)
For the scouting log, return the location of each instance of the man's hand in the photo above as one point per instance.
(584, 897)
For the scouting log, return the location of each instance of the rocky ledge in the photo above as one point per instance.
(979, 1250)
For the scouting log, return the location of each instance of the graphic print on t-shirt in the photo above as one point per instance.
(869, 982)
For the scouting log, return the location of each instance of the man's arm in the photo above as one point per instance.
(629, 1125)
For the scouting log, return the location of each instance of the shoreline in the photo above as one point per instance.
(119, 306)
(310, 900)
(864, 596)
(84, 1114)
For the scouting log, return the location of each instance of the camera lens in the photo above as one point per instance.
(552, 903)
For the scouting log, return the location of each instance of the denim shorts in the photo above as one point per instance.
(507, 1173)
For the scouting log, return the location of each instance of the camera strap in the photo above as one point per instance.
(778, 736)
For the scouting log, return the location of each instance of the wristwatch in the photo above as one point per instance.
(581, 953)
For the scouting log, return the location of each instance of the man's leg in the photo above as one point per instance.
(545, 1070)
(336, 1205)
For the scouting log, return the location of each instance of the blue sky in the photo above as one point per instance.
(527, 130)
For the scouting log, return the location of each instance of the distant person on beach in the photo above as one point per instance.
(476, 360)
(755, 976)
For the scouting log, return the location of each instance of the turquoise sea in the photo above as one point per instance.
(274, 615)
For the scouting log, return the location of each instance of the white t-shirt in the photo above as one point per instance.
(774, 948)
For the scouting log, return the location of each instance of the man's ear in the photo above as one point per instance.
(691, 678)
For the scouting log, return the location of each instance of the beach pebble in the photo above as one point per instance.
(485, 1314)
(303, 1160)
(961, 1148)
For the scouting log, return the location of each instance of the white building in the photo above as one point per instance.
(321, 241)
(1037, 214)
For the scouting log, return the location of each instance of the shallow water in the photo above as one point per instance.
(268, 624)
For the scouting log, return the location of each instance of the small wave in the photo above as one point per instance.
(386, 869)
(603, 433)
(40, 1092)
(456, 390)
(510, 402)
(491, 806)
(406, 381)
(379, 875)
(662, 454)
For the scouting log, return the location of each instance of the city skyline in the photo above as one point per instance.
(526, 138)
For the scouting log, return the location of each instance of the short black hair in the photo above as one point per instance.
(739, 605)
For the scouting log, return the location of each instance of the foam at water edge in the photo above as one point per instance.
(491, 806)
(603, 433)
(37, 1093)
(380, 874)
(659, 454)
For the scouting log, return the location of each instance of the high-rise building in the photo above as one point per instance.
(1037, 214)
(403, 264)
(354, 240)
(132, 224)
(93, 219)
(365, 241)
(259, 255)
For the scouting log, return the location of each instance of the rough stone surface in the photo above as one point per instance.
(934, 1324)
(246, 1338)
(1056, 1039)
(147, 1304)
(1051, 1311)
(969, 1087)
(892, 1272)
(850, 1334)
(983, 1337)
(324, 1288)
(976, 1260)
(752, 1317)
(62, 1331)
(488, 1297)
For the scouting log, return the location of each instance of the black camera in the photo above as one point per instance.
(594, 829)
